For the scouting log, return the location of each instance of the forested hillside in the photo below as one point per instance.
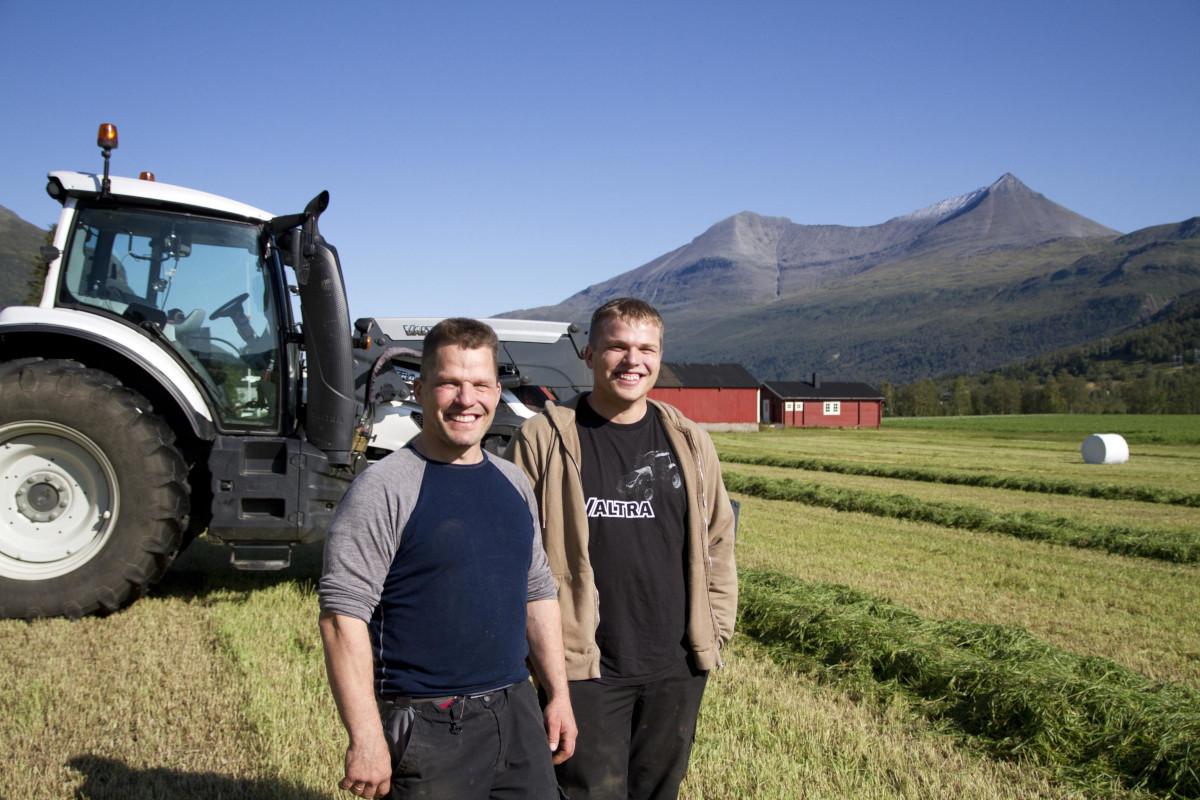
(19, 244)
(1154, 369)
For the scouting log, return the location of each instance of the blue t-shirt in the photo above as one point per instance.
(440, 560)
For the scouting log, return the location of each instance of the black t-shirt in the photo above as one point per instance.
(637, 508)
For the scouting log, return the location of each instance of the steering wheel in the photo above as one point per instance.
(227, 308)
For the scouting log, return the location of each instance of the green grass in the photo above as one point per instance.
(771, 732)
(274, 642)
(1135, 428)
(142, 704)
(1026, 458)
(1077, 508)
(213, 686)
(1138, 612)
(1043, 485)
(250, 715)
(1181, 546)
(1083, 716)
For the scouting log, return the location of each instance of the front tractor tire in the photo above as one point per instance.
(93, 492)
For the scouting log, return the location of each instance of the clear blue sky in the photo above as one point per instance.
(487, 156)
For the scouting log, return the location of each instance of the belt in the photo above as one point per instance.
(440, 702)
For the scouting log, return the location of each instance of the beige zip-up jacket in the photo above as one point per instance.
(547, 450)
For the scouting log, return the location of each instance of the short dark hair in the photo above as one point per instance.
(629, 309)
(467, 333)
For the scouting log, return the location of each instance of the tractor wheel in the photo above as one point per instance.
(93, 492)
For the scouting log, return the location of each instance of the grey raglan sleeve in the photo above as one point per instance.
(365, 532)
(541, 581)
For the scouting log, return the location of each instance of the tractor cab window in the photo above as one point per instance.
(203, 284)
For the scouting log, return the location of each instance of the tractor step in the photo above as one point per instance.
(262, 557)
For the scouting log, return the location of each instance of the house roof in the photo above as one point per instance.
(824, 390)
(681, 375)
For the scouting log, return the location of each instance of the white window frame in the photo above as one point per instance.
(833, 408)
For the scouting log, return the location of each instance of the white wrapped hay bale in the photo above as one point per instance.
(1105, 448)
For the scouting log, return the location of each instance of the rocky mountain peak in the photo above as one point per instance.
(1006, 214)
(1007, 181)
(751, 259)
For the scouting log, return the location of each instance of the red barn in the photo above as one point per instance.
(817, 404)
(714, 394)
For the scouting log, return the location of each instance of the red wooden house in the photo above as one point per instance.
(820, 404)
(709, 393)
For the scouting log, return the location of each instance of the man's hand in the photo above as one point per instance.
(560, 728)
(543, 628)
(368, 769)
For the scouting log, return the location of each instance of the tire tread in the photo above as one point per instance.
(164, 496)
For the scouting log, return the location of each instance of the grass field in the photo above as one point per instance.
(1135, 428)
(1024, 454)
(1084, 510)
(864, 660)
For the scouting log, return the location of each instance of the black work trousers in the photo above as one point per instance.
(490, 747)
(634, 741)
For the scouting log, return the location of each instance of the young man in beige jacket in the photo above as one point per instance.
(639, 533)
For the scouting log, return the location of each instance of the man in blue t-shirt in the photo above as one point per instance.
(435, 589)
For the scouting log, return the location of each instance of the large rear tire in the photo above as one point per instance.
(93, 492)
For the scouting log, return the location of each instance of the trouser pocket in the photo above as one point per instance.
(397, 717)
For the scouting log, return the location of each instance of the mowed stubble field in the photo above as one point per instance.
(213, 686)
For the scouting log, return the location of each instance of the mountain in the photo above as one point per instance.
(971, 283)
(19, 244)
(756, 259)
(968, 283)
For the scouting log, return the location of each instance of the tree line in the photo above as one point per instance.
(1151, 370)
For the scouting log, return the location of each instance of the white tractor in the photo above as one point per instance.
(165, 387)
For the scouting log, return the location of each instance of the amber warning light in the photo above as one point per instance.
(146, 176)
(107, 137)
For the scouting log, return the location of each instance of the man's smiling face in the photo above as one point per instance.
(459, 399)
(624, 364)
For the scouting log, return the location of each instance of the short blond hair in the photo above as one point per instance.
(628, 309)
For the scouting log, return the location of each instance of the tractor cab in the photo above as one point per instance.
(207, 288)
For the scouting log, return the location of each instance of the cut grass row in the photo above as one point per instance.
(1138, 612)
(1149, 516)
(770, 732)
(1181, 547)
(1136, 428)
(1083, 717)
(1034, 457)
(1023, 483)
